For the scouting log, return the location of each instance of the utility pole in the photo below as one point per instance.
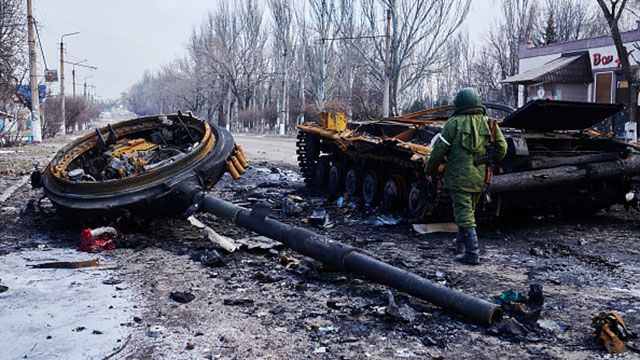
(73, 79)
(387, 68)
(63, 126)
(36, 129)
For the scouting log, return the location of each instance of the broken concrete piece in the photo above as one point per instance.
(221, 241)
(435, 228)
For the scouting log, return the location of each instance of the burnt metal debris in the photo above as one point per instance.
(555, 162)
(162, 165)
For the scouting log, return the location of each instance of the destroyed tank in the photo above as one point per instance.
(556, 162)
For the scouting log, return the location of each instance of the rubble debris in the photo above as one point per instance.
(435, 228)
(509, 328)
(66, 264)
(553, 326)
(220, 241)
(258, 243)
(208, 258)
(611, 330)
(112, 281)
(526, 309)
(289, 261)
(156, 331)
(190, 345)
(291, 206)
(98, 239)
(385, 220)
(182, 297)
(403, 313)
(319, 218)
(238, 302)
(264, 277)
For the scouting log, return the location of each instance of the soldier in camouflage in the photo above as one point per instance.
(464, 144)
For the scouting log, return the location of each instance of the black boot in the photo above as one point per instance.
(458, 242)
(471, 254)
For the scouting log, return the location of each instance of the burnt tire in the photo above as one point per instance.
(371, 188)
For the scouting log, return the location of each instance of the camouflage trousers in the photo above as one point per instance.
(464, 208)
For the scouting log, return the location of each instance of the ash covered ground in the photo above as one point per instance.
(268, 302)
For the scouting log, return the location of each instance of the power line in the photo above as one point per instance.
(132, 43)
(40, 43)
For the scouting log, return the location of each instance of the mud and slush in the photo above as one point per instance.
(272, 303)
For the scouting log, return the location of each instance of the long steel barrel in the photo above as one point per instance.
(347, 258)
(565, 175)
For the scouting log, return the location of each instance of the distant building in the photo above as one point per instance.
(579, 70)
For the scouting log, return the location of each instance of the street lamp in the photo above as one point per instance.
(63, 128)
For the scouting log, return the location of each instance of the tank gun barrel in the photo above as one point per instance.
(565, 175)
(350, 259)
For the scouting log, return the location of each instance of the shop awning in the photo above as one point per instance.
(565, 69)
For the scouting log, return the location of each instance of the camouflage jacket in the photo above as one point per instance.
(463, 140)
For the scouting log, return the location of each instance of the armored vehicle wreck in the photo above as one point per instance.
(555, 161)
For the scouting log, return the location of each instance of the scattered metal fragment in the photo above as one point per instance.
(66, 264)
(220, 241)
(238, 302)
(112, 281)
(209, 258)
(435, 228)
(182, 297)
(319, 218)
(612, 331)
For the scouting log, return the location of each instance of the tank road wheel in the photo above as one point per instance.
(395, 193)
(416, 202)
(353, 182)
(371, 188)
(336, 178)
(321, 175)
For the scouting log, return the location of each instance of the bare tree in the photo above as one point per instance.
(282, 23)
(12, 49)
(419, 31)
(613, 11)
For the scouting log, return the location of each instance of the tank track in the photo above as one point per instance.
(307, 155)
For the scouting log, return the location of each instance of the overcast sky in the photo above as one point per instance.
(123, 38)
